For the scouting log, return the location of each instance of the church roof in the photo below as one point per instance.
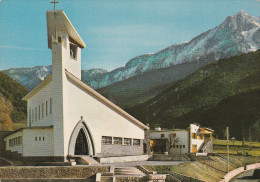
(47, 80)
(104, 100)
(57, 20)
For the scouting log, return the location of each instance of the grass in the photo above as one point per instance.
(207, 170)
(249, 148)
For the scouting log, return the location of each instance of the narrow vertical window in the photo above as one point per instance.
(42, 110)
(30, 116)
(50, 105)
(43, 138)
(39, 112)
(35, 113)
(46, 108)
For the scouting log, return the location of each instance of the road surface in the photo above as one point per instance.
(246, 176)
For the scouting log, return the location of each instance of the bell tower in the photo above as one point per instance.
(65, 44)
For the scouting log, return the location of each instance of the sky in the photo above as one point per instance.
(114, 31)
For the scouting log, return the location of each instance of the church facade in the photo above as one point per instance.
(68, 118)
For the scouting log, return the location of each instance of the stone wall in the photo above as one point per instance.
(73, 172)
(121, 150)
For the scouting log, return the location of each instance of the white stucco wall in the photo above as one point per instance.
(31, 147)
(199, 142)
(39, 99)
(101, 119)
(16, 148)
(182, 135)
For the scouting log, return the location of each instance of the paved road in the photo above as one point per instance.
(246, 176)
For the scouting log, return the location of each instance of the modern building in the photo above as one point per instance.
(182, 141)
(68, 118)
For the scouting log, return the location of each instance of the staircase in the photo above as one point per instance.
(128, 171)
(86, 160)
(107, 179)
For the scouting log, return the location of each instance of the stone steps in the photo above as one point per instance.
(106, 179)
(126, 171)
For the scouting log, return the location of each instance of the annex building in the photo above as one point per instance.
(194, 139)
(66, 117)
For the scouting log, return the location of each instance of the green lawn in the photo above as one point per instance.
(250, 148)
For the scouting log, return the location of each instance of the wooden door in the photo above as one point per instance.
(194, 148)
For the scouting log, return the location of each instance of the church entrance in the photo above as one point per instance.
(81, 146)
(81, 142)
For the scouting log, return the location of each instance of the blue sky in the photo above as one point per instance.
(114, 31)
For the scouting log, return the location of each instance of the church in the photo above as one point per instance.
(65, 117)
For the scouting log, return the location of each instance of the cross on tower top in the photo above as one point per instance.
(54, 2)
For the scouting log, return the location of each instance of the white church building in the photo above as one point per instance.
(68, 118)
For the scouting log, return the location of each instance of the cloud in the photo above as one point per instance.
(17, 47)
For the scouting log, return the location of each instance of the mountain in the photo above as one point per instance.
(12, 108)
(223, 93)
(236, 35)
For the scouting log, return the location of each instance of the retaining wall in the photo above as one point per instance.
(237, 171)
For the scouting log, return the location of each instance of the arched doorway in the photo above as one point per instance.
(81, 145)
(81, 142)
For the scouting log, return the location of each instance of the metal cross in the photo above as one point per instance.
(54, 2)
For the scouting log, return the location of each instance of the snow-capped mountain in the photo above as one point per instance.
(236, 35)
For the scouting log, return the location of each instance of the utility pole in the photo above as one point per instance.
(227, 149)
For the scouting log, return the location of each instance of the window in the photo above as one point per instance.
(46, 108)
(173, 135)
(59, 39)
(106, 140)
(183, 146)
(50, 105)
(39, 112)
(117, 140)
(194, 135)
(35, 138)
(42, 110)
(35, 113)
(40, 138)
(136, 142)
(127, 141)
(73, 51)
(162, 135)
(30, 116)
(43, 138)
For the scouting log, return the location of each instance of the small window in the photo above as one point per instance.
(136, 142)
(42, 110)
(73, 51)
(35, 138)
(127, 141)
(183, 146)
(162, 135)
(177, 146)
(59, 39)
(50, 105)
(106, 140)
(173, 135)
(117, 140)
(40, 138)
(194, 135)
(39, 112)
(46, 108)
(43, 138)
(35, 113)
(30, 115)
